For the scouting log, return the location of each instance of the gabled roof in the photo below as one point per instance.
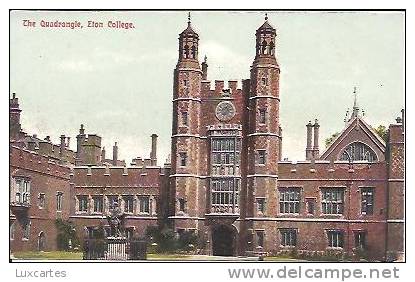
(366, 132)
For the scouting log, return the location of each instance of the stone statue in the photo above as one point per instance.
(116, 221)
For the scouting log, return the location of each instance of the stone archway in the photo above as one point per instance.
(41, 241)
(224, 240)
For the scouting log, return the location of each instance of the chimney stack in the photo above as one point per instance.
(62, 145)
(153, 153)
(114, 154)
(103, 154)
(82, 130)
(204, 69)
(68, 139)
(309, 148)
(80, 138)
(316, 152)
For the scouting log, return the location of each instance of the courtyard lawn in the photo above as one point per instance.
(59, 255)
(55, 255)
(168, 257)
(283, 259)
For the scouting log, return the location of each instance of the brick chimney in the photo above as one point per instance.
(80, 139)
(153, 153)
(62, 145)
(309, 148)
(204, 69)
(114, 154)
(316, 152)
(103, 154)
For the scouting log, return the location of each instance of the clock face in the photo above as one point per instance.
(225, 111)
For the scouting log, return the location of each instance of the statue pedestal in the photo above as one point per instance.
(116, 248)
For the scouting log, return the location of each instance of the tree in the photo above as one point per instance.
(66, 237)
(382, 132)
(330, 140)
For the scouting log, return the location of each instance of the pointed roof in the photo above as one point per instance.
(366, 132)
(266, 25)
(189, 29)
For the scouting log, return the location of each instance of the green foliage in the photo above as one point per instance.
(330, 140)
(188, 240)
(382, 132)
(67, 238)
(164, 240)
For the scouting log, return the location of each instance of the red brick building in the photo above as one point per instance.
(226, 180)
(229, 184)
(40, 193)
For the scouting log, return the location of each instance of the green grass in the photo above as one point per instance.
(55, 255)
(282, 258)
(168, 257)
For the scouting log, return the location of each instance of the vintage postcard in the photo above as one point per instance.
(207, 136)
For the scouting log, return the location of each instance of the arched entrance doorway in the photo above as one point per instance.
(224, 241)
(41, 241)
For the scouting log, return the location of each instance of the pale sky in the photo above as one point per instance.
(118, 83)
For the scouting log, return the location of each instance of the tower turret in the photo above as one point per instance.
(265, 43)
(264, 129)
(188, 47)
(185, 182)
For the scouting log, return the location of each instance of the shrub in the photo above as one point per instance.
(67, 238)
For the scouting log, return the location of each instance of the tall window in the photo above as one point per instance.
(260, 238)
(367, 200)
(360, 239)
(225, 169)
(335, 238)
(59, 201)
(183, 159)
(182, 204)
(289, 200)
(184, 119)
(332, 200)
(12, 230)
(265, 81)
(262, 157)
(42, 200)
(262, 116)
(225, 156)
(22, 194)
(98, 204)
(261, 205)
(358, 151)
(144, 204)
(129, 204)
(288, 237)
(82, 203)
(26, 231)
(310, 206)
(225, 193)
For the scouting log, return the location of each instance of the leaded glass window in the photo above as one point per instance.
(358, 151)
